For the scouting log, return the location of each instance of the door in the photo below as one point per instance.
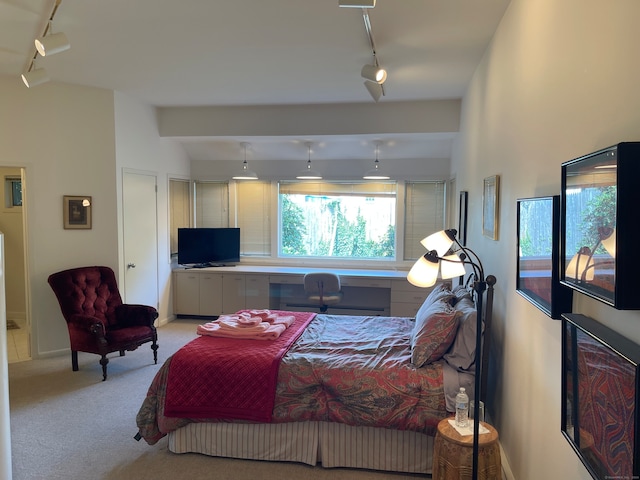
(140, 238)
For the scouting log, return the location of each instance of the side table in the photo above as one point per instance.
(453, 454)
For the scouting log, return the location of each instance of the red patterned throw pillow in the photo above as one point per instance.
(433, 333)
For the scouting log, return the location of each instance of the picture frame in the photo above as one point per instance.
(462, 217)
(600, 390)
(599, 198)
(490, 199)
(538, 255)
(76, 212)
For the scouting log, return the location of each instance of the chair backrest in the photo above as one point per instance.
(88, 291)
(324, 282)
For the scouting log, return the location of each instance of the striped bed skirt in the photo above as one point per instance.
(327, 444)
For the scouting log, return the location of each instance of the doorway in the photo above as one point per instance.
(13, 225)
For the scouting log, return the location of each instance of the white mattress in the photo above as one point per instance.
(329, 444)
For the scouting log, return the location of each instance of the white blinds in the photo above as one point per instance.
(212, 204)
(254, 217)
(424, 214)
(180, 210)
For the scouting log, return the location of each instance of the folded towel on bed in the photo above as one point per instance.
(274, 319)
(228, 323)
(263, 313)
(215, 329)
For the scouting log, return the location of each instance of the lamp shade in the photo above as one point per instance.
(375, 73)
(440, 242)
(451, 266)
(374, 89)
(52, 44)
(581, 266)
(608, 240)
(35, 77)
(424, 272)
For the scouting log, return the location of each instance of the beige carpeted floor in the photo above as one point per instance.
(71, 425)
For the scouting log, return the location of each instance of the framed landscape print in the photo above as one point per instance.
(538, 250)
(490, 198)
(76, 210)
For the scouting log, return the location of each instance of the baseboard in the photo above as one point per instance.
(507, 474)
(164, 321)
(20, 317)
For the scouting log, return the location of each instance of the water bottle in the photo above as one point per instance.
(462, 409)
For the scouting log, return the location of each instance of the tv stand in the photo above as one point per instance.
(209, 265)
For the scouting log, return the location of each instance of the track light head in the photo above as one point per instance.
(35, 77)
(374, 73)
(52, 44)
(357, 3)
(375, 89)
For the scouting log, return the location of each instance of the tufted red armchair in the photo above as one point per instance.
(97, 320)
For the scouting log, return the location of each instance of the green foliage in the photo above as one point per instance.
(293, 228)
(601, 212)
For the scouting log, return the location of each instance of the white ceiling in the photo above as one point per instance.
(252, 52)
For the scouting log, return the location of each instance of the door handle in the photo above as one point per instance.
(131, 265)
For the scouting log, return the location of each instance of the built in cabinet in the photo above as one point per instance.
(214, 291)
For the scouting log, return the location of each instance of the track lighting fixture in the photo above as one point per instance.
(308, 173)
(374, 73)
(47, 44)
(374, 89)
(357, 3)
(375, 173)
(35, 76)
(52, 43)
(245, 173)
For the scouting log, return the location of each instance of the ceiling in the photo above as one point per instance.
(251, 52)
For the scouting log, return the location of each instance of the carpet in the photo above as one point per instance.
(12, 325)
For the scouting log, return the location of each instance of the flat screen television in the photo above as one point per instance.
(208, 247)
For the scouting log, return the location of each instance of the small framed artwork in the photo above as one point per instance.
(538, 261)
(462, 217)
(76, 211)
(600, 387)
(490, 199)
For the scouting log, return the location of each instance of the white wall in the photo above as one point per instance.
(560, 80)
(139, 147)
(64, 137)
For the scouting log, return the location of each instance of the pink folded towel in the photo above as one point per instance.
(285, 320)
(214, 329)
(263, 314)
(235, 324)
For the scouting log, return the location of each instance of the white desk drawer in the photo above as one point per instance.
(365, 282)
(287, 279)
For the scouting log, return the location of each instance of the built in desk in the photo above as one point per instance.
(213, 291)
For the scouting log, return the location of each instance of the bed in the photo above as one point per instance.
(338, 390)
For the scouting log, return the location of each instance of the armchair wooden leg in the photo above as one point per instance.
(122, 353)
(154, 347)
(74, 360)
(103, 361)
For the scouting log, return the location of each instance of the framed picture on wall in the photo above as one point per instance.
(76, 211)
(538, 259)
(490, 199)
(462, 217)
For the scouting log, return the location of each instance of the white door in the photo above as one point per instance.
(140, 239)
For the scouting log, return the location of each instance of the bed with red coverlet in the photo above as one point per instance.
(354, 370)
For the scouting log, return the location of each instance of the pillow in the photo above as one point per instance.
(442, 291)
(460, 292)
(461, 355)
(433, 332)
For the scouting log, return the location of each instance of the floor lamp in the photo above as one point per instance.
(447, 255)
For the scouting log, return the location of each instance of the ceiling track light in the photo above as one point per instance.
(245, 173)
(309, 173)
(33, 76)
(373, 73)
(375, 173)
(357, 3)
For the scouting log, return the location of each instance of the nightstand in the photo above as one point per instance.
(453, 454)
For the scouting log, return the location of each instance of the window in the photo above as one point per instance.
(179, 210)
(345, 220)
(13, 192)
(212, 204)
(425, 213)
(325, 220)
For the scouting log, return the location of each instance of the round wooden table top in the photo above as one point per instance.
(451, 434)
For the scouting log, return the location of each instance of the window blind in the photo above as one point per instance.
(212, 204)
(254, 217)
(424, 214)
(179, 210)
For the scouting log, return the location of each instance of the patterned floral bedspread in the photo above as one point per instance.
(348, 369)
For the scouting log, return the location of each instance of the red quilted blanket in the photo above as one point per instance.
(228, 378)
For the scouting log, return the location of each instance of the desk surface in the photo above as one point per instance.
(284, 270)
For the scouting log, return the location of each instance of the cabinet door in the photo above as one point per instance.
(257, 291)
(210, 294)
(187, 293)
(406, 299)
(233, 293)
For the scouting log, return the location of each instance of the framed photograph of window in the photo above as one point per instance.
(538, 260)
(490, 199)
(600, 388)
(76, 211)
(462, 217)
